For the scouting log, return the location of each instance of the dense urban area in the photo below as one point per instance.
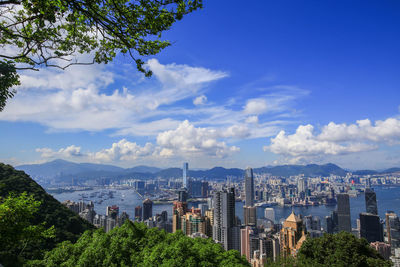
(206, 208)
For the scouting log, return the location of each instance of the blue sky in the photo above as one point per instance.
(269, 82)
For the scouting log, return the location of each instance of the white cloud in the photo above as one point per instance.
(383, 131)
(200, 100)
(76, 99)
(68, 152)
(252, 119)
(123, 151)
(334, 139)
(255, 106)
(187, 139)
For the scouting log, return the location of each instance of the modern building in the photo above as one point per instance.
(112, 211)
(249, 187)
(343, 213)
(250, 216)
(292, 235)
(382, 248)
(393, 230)
(249, 242)
(225, 230)
(371, 227)
(182, 195)
(147, 209)
(185, 174)
(138, 213)
(370, 201)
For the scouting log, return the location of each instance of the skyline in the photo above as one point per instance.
(287, 84)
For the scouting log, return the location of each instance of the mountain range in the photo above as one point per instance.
(61, 170)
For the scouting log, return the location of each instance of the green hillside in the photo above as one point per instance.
(68, 225)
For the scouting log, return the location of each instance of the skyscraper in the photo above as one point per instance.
(250, 216)
(224, 229)
(370, 201)
(371, 227)
(185, 175)
(138, 213)
(343, 213)
(393, 229)
(249, 187)
(147, 209)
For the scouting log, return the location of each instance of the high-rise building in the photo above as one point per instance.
(204, 189)
(249, 187)
(370, 201)
(393, 229)
(292, 235)
(195, 188)
(343, 213)
(269, 214)
(147, 209)
(112, 211)
(185, 173)
(250, 216)
(382, 248)
(138, 213)
(301, 185)
(182, 195)
(225, 230)
(371, 227)
(249, 242)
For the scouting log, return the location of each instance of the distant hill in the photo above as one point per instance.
(143, 169)
(68, 225)
(307, 170)
(60, 167)
(65, 171)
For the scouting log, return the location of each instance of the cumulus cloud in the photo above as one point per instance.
(123, 151)
(184, 141)
(68, 152)
(335, 139)
(255, 106)
(200, 100)
(77, 99)
(187, 139)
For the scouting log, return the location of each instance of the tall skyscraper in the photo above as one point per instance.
(147, 209)
(371, 227)
(185, 173)
(393, 229)
(225, 230)
(249, 187)
(370, 201)
(343, 213)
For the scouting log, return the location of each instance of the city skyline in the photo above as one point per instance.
(234, 98)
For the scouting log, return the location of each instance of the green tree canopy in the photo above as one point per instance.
(67, 224)
(342, 249)
(38, 33)
(16, 230)
(133, 244)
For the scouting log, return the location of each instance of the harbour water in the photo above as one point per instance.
(388, 198)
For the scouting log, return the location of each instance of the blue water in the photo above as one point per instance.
(388, 198)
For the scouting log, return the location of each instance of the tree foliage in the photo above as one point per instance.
(67, 224)
(16, 230)
(342, 249)
(133, 244)
(38, 33)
